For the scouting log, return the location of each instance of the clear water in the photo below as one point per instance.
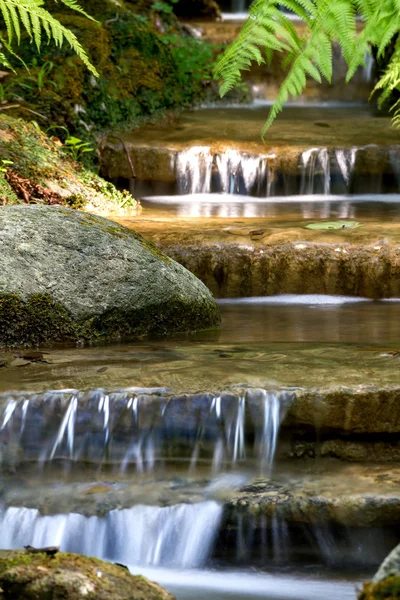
(373, 207)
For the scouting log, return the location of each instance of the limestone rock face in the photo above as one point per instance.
(66, 275)
(71, 577)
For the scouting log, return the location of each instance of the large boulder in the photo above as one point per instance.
(26, 576)
(386, 583)
(67, 275)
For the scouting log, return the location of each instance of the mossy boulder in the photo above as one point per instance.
(39, 171)
(25, 576)
(386, 583)
(67, 275)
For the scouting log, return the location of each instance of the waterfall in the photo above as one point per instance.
(193, 168)
(278, 539)
(141, 428)
(346, 160)
(180, 536)
(197, 170)
(315, 162)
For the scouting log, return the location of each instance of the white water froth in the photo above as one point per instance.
(179, 536)
(296, 299)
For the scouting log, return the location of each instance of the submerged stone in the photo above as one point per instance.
(70, 276)
(71, 577)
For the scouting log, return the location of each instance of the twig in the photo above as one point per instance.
(127, 154)
(23, 108)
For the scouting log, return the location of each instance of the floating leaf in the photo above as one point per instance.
(334, 225)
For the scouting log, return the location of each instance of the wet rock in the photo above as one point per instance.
(390, 566)
(361, 409)
(232, 270)
(66, 275)
(71, 577)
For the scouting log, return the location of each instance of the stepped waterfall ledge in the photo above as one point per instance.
(142, 428)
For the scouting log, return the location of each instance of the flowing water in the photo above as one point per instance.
(214, 463)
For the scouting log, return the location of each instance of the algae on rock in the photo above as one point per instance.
(37, 576)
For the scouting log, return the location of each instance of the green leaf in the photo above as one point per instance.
(333, 225)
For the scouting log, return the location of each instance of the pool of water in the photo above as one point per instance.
(247, 585)
(373, 207)
(279, 341)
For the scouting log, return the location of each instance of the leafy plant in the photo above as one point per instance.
(309, 53)
(194, 59)
(30, 16)
(3, 166)
(163, 7)
(76, 147)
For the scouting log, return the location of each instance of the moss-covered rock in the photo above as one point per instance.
(39, 171)
(389, 589)
(70, 577)
(67, 275)
(386, 583)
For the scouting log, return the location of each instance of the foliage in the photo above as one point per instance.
(142, 72)
(194, 59)
(163, 7)
(76, 147)
(309, 53)
(30, 16)
(42, 172)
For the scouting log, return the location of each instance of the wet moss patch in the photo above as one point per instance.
(71, 577)
(388, 589)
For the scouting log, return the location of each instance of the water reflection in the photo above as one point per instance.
(307, 318)
(316, 206)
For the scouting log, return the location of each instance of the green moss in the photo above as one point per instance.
(7, 194)
(37, 576)
(388, 589)
(40, 320)
(38, 159)
(142, 72)
(36, 321)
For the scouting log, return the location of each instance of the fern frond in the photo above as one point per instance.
(33, 18)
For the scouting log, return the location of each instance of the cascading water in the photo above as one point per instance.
(199, 170)
(141, 428)
(315, 171)
(193, 169)
(179, 536)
